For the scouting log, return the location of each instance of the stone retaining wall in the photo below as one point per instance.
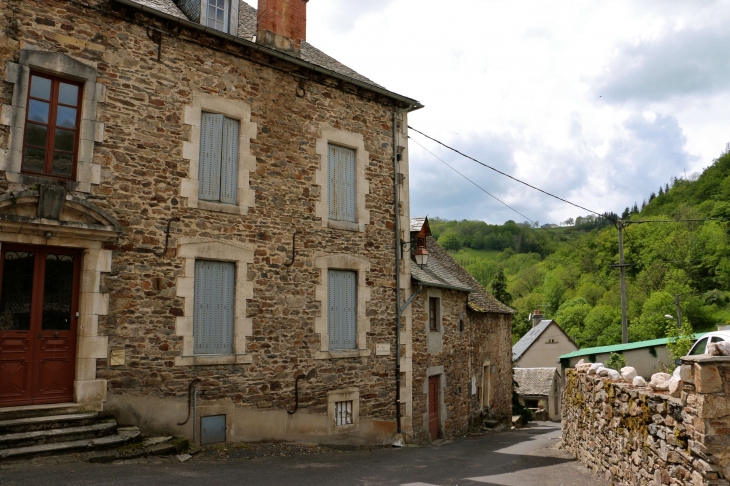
(634, 435)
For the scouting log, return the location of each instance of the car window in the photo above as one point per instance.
(717, 339)
(699, 347)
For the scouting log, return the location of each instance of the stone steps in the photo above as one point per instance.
(63, 434)
(46, 422)
(124, 436)
(31, 411)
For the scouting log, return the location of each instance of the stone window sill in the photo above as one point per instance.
(345, 353)
(220, 207)
(344, 225)
(209, 360)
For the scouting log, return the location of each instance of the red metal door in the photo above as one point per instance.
(38, 305)
(433, 407)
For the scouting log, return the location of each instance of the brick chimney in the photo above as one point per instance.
(536, 317)
(282, 24)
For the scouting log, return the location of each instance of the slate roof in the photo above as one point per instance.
(534, 381)
(247, 30)
(443, 271)
(526, 341)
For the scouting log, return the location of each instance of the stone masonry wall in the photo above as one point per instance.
(637, 436)
(142, 169)
(459, 357)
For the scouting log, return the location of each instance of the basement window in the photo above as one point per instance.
(343, 413)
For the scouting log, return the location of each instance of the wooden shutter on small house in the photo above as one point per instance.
(342, 309)
(214, 307)
(209, 172)
(341, 170)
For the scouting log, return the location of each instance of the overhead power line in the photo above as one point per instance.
(502, 202)
(504, 173)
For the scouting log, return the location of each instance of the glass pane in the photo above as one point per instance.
(38, 111)
(699, 347)
(17, 291)
(36, 135)
(58, 292)
(68, 94)
(64, 140)
(40, 87)
(219, 15)
(66, 117)
(62, 164)
(34, 159)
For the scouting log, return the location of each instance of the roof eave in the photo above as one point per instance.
(442, 286)
(413, 105)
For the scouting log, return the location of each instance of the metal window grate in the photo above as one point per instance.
(343, 413)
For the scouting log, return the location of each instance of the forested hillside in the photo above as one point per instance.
(677, 245)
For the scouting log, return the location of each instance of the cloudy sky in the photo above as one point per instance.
(599, 102)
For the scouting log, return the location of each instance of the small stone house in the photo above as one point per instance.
(460, 344)
(539, 390)
(542, 345)
(197, 214)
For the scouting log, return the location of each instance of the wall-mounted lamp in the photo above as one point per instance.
(421, 252)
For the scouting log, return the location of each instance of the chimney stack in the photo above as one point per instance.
(282, 25)
(536, 317)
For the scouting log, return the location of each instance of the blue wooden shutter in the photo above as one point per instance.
(214, 307)
(342, 309)
(341, 170)
(229, 162)
(209, 173)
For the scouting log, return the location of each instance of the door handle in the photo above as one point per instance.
(55, 334)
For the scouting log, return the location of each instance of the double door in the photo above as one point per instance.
(38, 318)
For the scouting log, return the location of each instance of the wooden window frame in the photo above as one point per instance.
(434, 307)
(51, 125)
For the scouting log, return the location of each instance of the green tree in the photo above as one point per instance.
(450, 241)
(499, 288)
(680, 340)
(571, 316)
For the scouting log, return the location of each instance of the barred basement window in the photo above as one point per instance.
(343, 413)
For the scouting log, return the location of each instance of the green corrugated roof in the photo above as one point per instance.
(621, 347)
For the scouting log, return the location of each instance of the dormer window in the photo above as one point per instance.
(220, 15)
(217, 14)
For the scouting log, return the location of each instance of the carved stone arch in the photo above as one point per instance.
(77, 218)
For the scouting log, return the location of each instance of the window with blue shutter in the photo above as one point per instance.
(342, 309)
(218, 162)
(341, 174)
(214, 307)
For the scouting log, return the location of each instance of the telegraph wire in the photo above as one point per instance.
(502, 202)
(504, 173)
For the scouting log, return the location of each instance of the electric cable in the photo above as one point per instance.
(505, 174)
(502, 202)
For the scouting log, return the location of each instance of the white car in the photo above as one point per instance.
(700, 347)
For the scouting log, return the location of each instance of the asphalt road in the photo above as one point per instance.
(521, 457)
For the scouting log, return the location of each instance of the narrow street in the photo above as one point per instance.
(520, 457)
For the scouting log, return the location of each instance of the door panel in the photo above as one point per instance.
(433, 407)
(38, 302)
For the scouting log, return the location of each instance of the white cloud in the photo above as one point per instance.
(599, 102)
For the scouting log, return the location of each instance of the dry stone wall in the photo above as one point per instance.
(633, 435)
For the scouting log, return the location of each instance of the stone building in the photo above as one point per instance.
(542, 345)
(197, 211)
(461, 340)
(539, 390)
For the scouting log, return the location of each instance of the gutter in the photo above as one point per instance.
(412, 104)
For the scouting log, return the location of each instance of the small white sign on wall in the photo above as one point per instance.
(382, 349)
(473, 385)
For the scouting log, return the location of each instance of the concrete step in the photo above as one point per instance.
(125, 436)
(66, 434)
(28, 411)
(46, 422)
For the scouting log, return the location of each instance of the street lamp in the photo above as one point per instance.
(421, 252)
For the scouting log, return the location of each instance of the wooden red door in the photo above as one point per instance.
(38, 318)
(433, 407)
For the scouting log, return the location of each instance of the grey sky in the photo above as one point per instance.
(599, 102)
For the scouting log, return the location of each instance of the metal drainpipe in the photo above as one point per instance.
(396, 193)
